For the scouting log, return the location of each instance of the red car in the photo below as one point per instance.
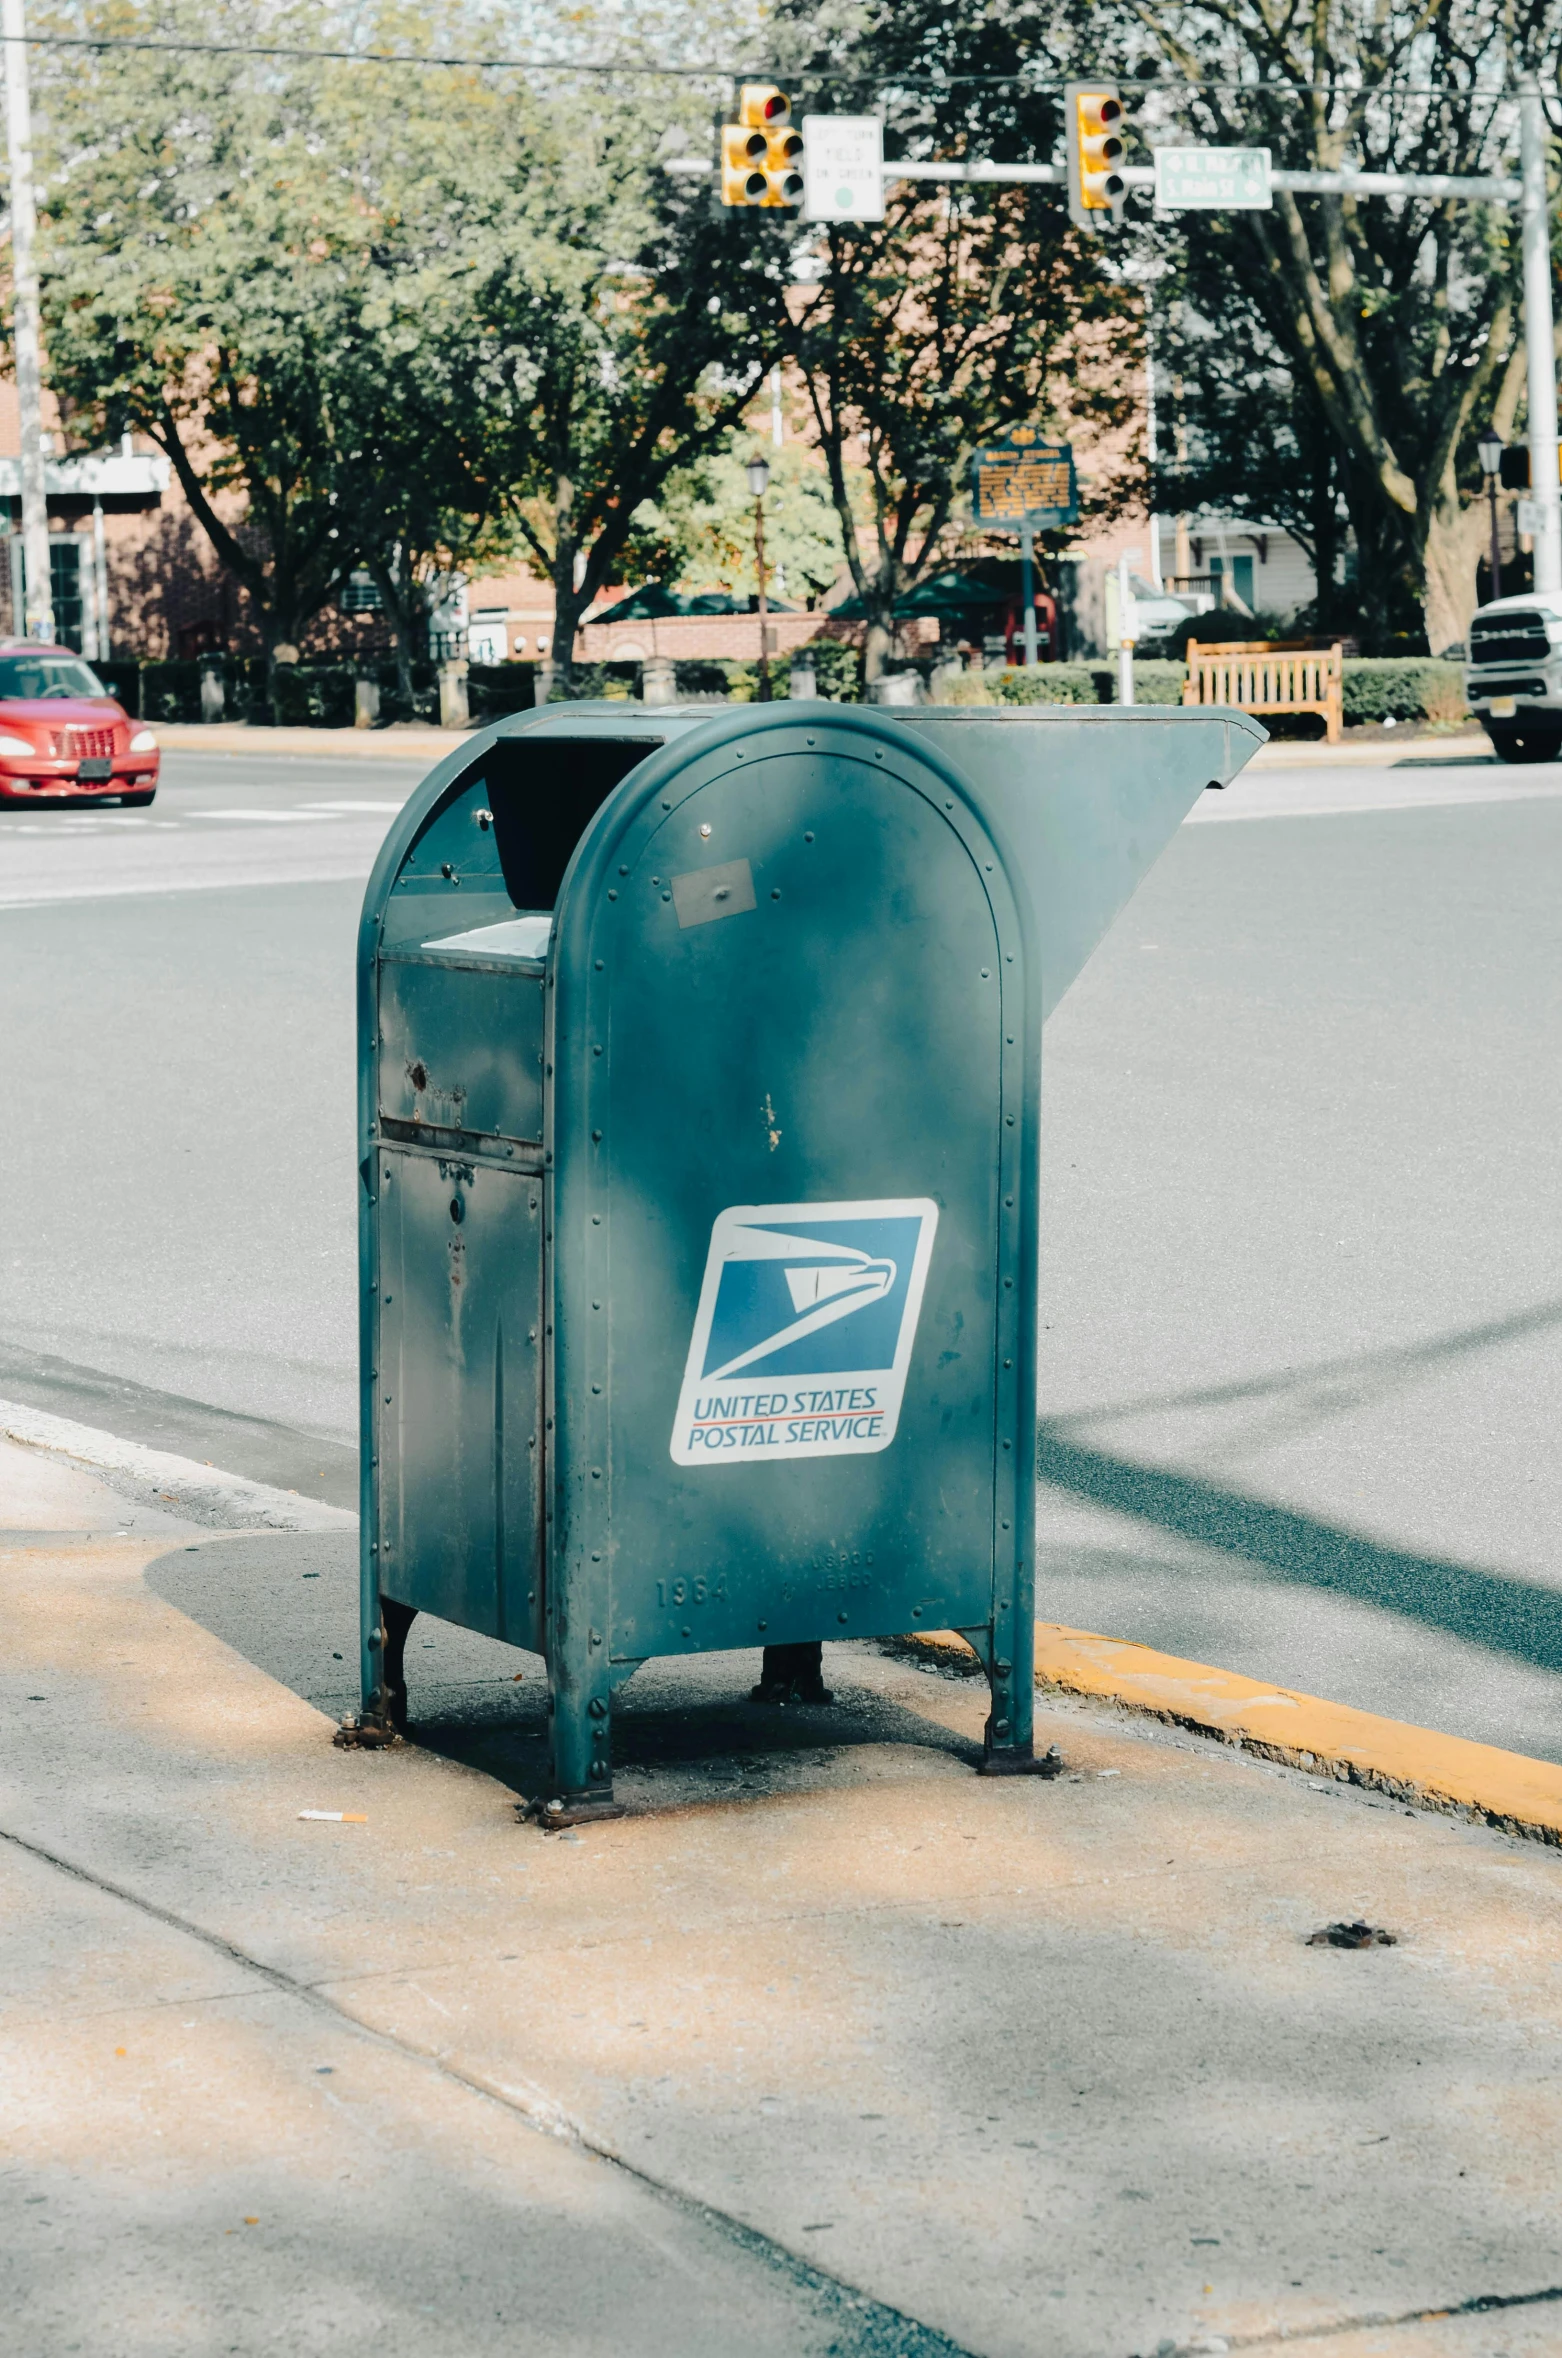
(63, 738)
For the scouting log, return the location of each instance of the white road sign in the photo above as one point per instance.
(1212, 179)
(843, 168)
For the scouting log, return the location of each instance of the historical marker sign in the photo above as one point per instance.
(1025, 480)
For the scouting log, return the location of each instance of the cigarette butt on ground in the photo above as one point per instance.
(335, 1817)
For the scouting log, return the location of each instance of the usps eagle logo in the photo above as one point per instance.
(804, 1330)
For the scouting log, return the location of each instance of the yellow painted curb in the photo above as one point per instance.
(1507, 1789)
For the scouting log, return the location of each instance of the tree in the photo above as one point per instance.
(624, 323)
(1396, 319)
(966, 311)
(1236, 429)
(707, 514)
(252, 266)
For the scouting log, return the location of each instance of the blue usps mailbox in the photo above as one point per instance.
(699, 1101)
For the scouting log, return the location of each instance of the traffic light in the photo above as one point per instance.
(761, 153)
(1094, 124)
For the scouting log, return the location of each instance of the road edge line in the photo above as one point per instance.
(1452, 1774)
(208, 1488)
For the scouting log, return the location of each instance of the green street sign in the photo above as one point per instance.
(1212, 179)
(1024, 480)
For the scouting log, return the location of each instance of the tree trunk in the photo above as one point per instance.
(878, 643)
(400, 608)
(1454, 542)
(569, 604)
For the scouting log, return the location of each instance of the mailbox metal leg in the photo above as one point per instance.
(792, 1674)
(383, 1719)
(582, 1745)
(1009, 1738)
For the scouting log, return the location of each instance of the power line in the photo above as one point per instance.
(1168, 86)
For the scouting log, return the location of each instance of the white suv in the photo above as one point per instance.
(1513, 678)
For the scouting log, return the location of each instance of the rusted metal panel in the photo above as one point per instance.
(461, 1045)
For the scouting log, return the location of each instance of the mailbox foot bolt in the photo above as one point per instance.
(792, 1674)
(1023, 1764)
(583, 1810)
(367, 1731)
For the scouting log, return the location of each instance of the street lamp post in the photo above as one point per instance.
(758, 483)
(1489, 450)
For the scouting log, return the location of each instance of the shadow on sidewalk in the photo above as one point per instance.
(683, 1729)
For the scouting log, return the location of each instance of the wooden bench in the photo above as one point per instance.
(1260, 675)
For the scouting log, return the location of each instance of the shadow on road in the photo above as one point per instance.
(1506, 1616)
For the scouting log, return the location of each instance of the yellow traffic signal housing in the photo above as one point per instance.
(744, 155)
(784, 167)
(1094, 125)
(762, 107)
(761, 155)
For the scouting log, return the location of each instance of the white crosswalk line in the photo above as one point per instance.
(254, 818)
(351, 806)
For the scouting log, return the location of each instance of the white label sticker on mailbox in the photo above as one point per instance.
(804, 1331)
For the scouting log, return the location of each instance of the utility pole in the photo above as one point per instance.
(24, 277)
(1540, 340)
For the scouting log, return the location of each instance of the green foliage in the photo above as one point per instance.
(386, 317)
(1156, 683)
(1404, 688)
(1338, 358)
(962, 313)
(1051, 683)
(837, 669)
(1076, 683)
(707, 516)
(623, 325)
(314, 696)
(253, 265)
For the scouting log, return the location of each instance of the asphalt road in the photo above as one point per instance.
(180, 1217)
(1302, 1134)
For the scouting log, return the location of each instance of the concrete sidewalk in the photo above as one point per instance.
(405, 742)
(827, 2046)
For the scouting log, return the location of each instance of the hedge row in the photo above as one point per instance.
(1403, 688)
(310, 695)
(1374, 688)
(321, 695)
(1065, 683)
